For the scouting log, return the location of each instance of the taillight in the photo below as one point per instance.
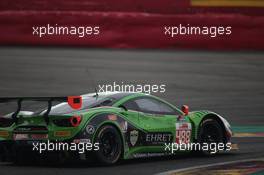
(73, 121)
(5, 122)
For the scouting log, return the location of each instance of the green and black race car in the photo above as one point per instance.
(118, 125)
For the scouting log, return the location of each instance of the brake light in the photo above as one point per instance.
(5, 122)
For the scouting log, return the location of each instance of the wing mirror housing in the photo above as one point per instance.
(185, 109)
(123, 107)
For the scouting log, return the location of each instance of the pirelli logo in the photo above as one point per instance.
(228, 3)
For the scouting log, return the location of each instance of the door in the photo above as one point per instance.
(158, 119)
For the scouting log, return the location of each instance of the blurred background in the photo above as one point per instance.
(135, 23)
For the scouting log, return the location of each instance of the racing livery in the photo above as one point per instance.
(125, 125)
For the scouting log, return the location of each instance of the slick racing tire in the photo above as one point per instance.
(110, 145)
(210, 134)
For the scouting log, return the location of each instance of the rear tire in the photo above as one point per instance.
(110, 145)
(210, 131)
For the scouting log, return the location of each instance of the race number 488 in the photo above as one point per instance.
(183, 133)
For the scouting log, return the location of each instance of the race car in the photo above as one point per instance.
(123, 125)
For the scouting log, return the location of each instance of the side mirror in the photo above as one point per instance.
(185, 109)
(123, 107)
(124, 110)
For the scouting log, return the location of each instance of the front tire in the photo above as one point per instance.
(210, 133)
(110, 145)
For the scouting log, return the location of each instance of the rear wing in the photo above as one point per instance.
(74, 101)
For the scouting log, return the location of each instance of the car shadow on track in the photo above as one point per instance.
(136, 161)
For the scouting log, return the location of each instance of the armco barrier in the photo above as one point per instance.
(134, 23)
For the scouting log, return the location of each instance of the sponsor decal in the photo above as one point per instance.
(90, 129)
(183, 133)
(140, 155)
(133, 137)
(81, 141)
(85, 141)
(158, 138)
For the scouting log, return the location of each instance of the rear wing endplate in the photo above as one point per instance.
(74, 101)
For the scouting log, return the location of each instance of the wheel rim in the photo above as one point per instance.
(108, 144)
(211, 134)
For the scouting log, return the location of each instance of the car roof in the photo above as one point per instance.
(116, 94)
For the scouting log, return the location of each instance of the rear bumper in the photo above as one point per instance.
(7, 150)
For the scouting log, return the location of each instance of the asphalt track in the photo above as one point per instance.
(231, 84)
